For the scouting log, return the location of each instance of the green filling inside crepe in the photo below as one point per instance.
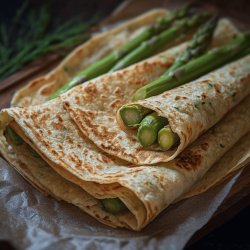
(113, 205)
(110, 205)
(15, 138)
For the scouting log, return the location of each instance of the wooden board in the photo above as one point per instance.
(239, 196)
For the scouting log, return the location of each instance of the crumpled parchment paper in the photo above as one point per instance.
(31, 221)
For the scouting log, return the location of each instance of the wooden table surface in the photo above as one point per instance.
(239, 196)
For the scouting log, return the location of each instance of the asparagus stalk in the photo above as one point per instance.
(113, 205)
(106, 63)
(149, 127)
(132, 114)
(195, 68)
(149, 47)
(167, 138)
(197, 46)
(15, 138)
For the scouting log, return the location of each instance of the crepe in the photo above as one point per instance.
(236, 158)
(146, 190)
(40, 89)
(191, 109)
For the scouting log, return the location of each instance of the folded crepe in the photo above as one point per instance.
(40, 89)
(71, 168)
(236, 158)
(190, 109)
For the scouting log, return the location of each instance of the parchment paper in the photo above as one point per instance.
(31, 221)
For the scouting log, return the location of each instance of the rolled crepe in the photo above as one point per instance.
(191, 109)
(40, 89)
(73, 169)
(195, 107)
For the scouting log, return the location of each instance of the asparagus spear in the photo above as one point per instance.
(113, 205)
(133, 114)
(167, 138)
(106, 63)
(197, 46)
(15, 138)
(156, 42)
(149, 127)
(195, 68)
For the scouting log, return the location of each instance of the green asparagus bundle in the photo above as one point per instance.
(133, 114)
(106, 63)
(152, 128)
(149, 127)
(149, 47)
(197, 46)
(213, 59)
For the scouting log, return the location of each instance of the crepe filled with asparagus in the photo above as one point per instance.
(103, 53)
(54, 153)
(176, 117)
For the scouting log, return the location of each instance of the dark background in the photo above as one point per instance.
(234, 234)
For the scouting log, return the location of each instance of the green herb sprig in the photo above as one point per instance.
(32, 33)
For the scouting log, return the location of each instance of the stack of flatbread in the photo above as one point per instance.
(75, 150)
